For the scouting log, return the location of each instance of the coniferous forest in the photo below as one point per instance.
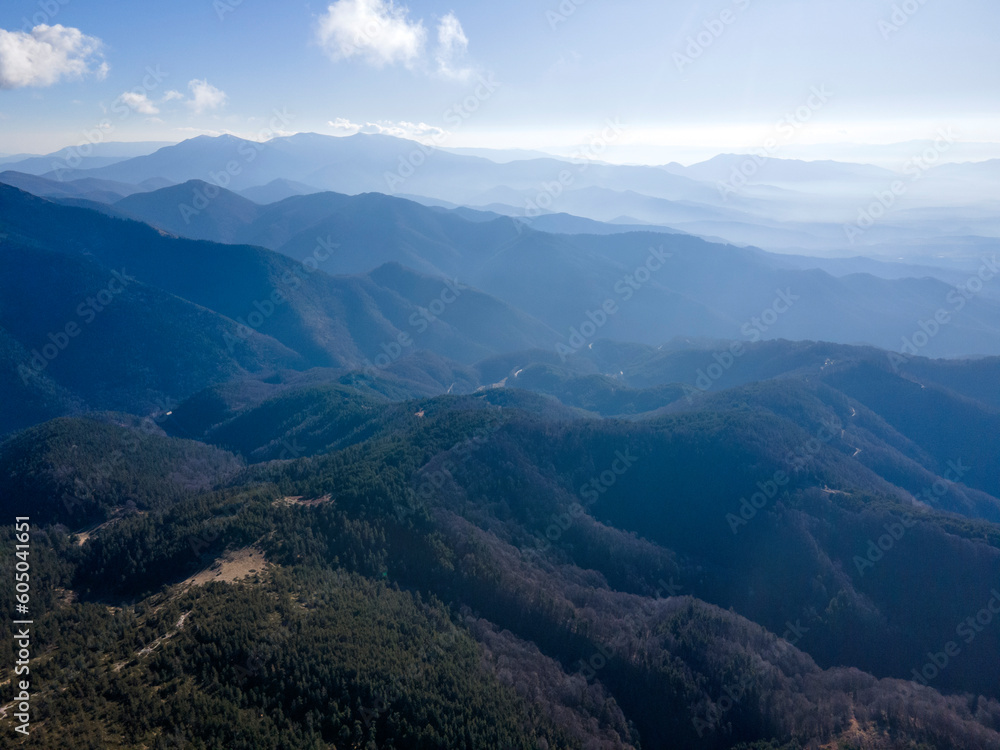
(562, 375)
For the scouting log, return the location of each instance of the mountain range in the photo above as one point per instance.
(310, 465)
(778, 204)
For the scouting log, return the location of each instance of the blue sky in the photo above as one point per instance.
(680, 77)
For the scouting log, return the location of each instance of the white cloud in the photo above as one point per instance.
(204, 131)
(171, 96)
(415, 131)
(47, 54)
(204, 96)
(380, 33)
(344, 127)
(376, 30)
(260, 136)
(139, 102)
(453, 48)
